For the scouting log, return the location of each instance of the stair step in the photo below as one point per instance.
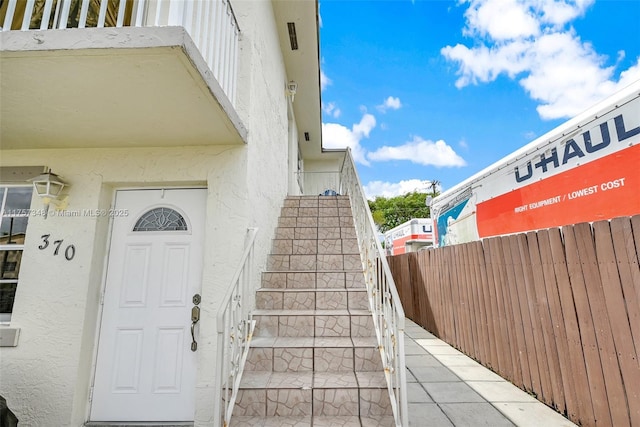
(331, 354)
(312, 298)
(317, 323)
(283, 342)
(314, 359)
(318, 394)
(314, 246)
(314, 262)
(311, 312)
(318, 421)
(336, 279)
(344, 222)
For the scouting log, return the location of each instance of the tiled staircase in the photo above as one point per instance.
(313, 359)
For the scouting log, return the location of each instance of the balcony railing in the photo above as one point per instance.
(211, 24)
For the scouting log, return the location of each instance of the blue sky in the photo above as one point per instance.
(438, 90)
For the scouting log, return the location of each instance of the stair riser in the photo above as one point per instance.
(364, 402)
(312, 280)
(318, 300)
(317, 262)
(314, 232)
(336, 359)
(315, 212)
(335, 246)
(345, 223)
(313, 326)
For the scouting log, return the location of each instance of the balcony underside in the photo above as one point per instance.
(116, 87)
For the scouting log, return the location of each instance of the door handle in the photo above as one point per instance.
(195, 318)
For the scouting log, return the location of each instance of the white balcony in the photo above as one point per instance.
(118, 73)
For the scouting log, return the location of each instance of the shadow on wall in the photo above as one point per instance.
(7, 418)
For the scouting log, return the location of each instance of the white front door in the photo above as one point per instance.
(146, 369)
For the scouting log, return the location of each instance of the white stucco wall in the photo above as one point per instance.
(47, 376)
(261, 105)
(321, 175)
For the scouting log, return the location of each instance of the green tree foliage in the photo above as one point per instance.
(391, 212)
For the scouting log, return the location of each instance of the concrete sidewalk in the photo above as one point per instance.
(446, 388)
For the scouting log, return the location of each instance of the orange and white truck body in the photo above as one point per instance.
(585, 170)
(409, 236)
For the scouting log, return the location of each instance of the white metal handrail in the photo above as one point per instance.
(235, 326)
(386, 308)
(211, 24)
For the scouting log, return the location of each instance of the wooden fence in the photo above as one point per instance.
(556, 312)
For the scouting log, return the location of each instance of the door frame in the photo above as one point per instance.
(103, 280)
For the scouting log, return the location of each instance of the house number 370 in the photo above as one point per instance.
(69, 250)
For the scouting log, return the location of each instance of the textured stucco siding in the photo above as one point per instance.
(47, 377)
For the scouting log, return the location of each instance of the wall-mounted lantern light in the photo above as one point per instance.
(49, 187)
(292, 88)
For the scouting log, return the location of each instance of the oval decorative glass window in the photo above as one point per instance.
(161, 219)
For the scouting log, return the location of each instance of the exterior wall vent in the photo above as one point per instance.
(293, 38)
(307, 137)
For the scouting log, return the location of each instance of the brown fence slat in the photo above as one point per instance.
(635, 226)
(480, 283)
(472, 300)
(478, 304)
(577, 354)
(446, 304)
(545, 392)
(550, 355)
(497, 307)
(620, 328)
(465, 308)
(521, 332)
(527, 322)
(432, 276)
(408, 286)
(457, 300)
(511, 330)
(625, 253)
(487, 283)
(608, 358)
(457, 303)
(587, 328)
(422, 295)
(438, 308)
(416, 279)
(559, 334)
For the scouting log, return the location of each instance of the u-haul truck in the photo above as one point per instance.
(409, 236)
(585, 170)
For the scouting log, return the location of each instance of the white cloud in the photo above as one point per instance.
(500, 19)
(420, 151)
(392, 189)
(527, 41)
(391, 103)
(324, 80)
(335, 135)
(331, 109)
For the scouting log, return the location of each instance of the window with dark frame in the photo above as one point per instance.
(15, 207)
